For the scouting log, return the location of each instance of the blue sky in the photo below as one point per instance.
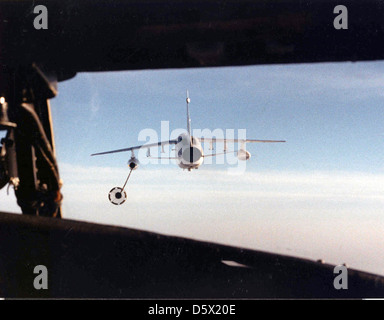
(320, 195)
(330, 114)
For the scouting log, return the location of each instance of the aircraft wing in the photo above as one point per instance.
(158, 144)
(242, 141)
(213, 140)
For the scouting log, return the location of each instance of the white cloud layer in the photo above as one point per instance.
(335, 216)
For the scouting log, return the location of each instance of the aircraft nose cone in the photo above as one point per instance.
(191, 155)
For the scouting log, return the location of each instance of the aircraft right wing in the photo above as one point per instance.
(146, 146)
(213, 140)
(244, 154)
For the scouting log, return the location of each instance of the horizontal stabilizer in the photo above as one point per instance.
(168, 158)
(217, 154)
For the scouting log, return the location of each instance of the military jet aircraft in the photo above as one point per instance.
(189, 153)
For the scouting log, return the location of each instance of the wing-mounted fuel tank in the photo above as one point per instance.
(243, 155)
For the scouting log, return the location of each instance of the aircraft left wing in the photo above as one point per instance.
(146, 146)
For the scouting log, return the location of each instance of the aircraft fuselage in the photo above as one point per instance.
(189, 152)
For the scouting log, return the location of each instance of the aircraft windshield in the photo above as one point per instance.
(320, 195)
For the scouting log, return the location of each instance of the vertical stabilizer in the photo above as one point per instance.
(188, 117)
